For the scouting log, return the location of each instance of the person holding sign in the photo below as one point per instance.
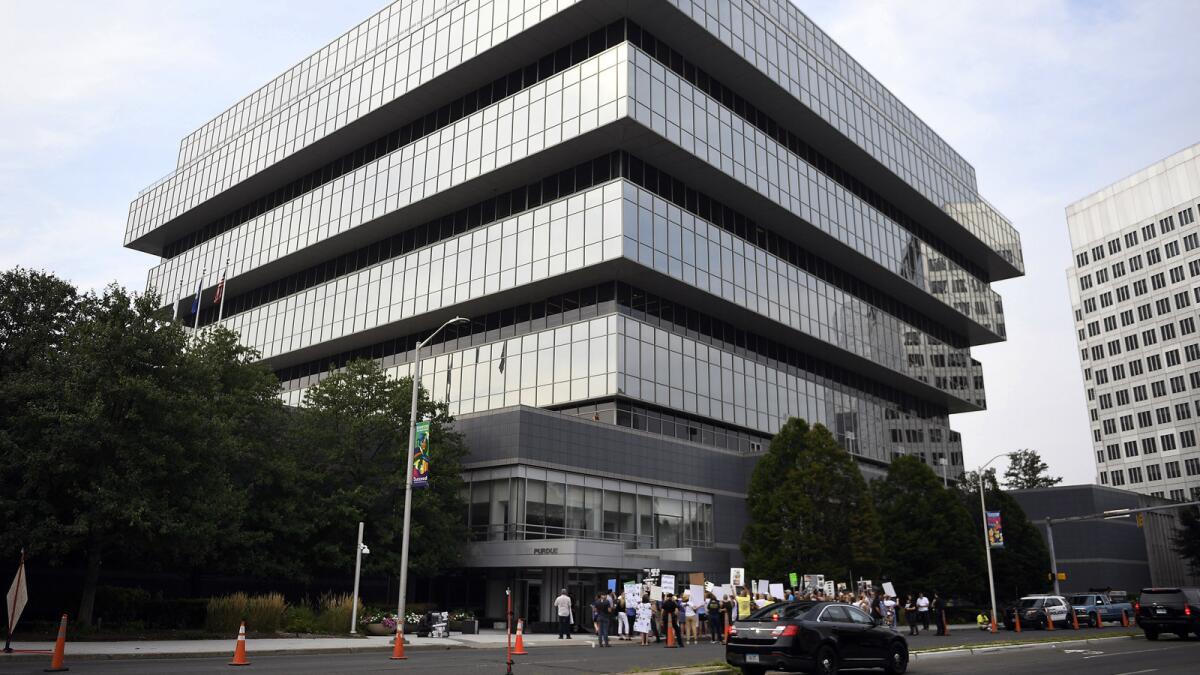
(645, 613)
(716, 620)
(745, 604)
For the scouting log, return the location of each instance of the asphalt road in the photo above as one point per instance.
(1106, 657)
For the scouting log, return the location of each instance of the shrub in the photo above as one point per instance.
(225, 613)
(335, 612)
(264, 613)
(300, 619)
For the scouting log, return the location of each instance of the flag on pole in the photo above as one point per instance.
(199, 292)
(18, 595)
(503, 356)
(449, 376)
(995, 534)
(219, 298)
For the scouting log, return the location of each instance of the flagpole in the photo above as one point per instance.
(199, 298)
(221, 309)
(175, 304)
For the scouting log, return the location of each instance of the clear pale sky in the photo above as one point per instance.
(1050, 101)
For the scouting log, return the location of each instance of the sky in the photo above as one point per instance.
(1049, 101)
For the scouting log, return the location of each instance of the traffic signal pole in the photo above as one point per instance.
(1105, 515)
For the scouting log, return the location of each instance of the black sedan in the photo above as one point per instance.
(814, 637)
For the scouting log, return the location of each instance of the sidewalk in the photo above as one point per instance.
(487, 639)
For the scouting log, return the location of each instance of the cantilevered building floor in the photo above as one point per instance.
(674, 224)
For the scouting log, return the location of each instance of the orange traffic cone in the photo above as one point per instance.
(1074, 619)
(728, 630)
(398, 648)
(239, 652)
(519, 648)
(1124, 619)
(1017, 620)
(670, 633)
(60, 647)
(1049, 621)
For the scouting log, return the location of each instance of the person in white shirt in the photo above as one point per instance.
(562, 606)
(923, 610)
(622, 609)
(889, 607)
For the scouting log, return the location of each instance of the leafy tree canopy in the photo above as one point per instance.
(1027, 470)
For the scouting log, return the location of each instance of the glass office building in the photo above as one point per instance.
(673, 225)
(1135, 287)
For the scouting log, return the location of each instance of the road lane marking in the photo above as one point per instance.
(1136, 651)
(1135, 672)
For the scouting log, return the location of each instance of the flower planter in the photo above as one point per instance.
(377, 629)
(466, 627)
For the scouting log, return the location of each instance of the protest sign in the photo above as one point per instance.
(889, 588)
(656, 593)
(776, 591)
(668, 583)
(793, 579)
(696, 595)
(633, 591)
(737, 576)
(829, 588)
(696, 578)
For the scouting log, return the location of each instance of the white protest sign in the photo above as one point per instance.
(668, 583)
(633, 592)
(777, 591)
(696, 595)
(656, 593)
(708, 586)
(737, 576)
(829, 588)
(723, 591)
(889, 588)
(762, 586)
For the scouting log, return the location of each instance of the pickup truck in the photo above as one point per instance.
(1096, 608)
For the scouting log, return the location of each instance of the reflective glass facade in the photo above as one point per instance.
(679, 222)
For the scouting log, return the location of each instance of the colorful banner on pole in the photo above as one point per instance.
(995, 535)
(420, 467)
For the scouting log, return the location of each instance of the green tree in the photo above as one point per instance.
(810, 510)
(36, 310)
(932, 543)
(355, 429)
(1187, 538)
(112, 452)
(1027, 470)
(1021, 566)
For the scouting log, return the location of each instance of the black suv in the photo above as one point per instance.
(814, 637)
(1168, 610)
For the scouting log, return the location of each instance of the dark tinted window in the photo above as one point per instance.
(1163, 597)
(835, 613)
(1080, 599)
(1027, 603)
(789, 610)
(857, 615)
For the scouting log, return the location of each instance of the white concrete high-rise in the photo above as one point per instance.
(1135, 290)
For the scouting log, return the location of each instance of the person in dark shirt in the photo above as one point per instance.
(603, 616)
(938, 606)
(670, 609)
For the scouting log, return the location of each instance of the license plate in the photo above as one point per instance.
(752, 658)
(1160, 611)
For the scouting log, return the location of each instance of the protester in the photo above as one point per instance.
(716, 624)
(562, 605)
(889, 610)
(702, 617)
(910, 614)
(622, 618)
(923, 610)
(744, 603)
(690, 619)
(670, 611)
(728, 608)
(602, 610)
(643, 622)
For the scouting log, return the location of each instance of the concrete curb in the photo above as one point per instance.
(1000, 648)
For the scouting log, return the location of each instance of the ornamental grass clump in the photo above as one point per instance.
(225, 613)
(264, 613)
(334, 612)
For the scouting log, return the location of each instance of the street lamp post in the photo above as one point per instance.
(945, 470)
(359, 552)
(987, 546)
(408, 453)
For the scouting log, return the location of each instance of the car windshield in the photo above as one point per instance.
(785, 610)
(1162, 598)
(1080, 599)
(1026, 603)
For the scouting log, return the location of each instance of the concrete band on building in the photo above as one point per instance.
(673, 225)
(1135, 287)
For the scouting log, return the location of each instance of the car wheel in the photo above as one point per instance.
(1151, 635)
(897, 663)
(827, 661)
(1093, 620)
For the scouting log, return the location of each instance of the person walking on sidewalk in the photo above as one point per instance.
(923, 609)
(562, 606)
